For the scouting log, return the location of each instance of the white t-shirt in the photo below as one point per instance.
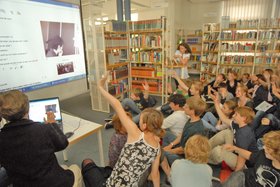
(175, 122)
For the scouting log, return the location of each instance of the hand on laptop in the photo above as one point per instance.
(50, 117)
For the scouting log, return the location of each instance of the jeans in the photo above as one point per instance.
(209, 121)
(236, 179)
(260, 129)
(168, 138)
(129, 105)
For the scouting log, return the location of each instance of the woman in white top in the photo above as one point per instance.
(181, 57)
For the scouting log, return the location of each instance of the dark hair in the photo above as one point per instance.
(222, 85)
(177, 99)
(188, 49)
(54, 42)
(223, 75)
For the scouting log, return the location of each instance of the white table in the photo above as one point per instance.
(86, 128)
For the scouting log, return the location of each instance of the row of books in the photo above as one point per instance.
(211, 46)
(211, 27)
(234, 35)
(118, 73)
(140, 71)
(118, 88)
(195, 57)
(236, 59)
(212, 57)
(272, 46)
(268, 60)
(238, 47)
(268, 35)
(116, 42)
(255, 23)
(142, 41)
(145, 25)
(146, 56)
(193, 40)
(270, 23)
(211, 36)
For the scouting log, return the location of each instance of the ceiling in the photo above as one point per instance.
(103, 7)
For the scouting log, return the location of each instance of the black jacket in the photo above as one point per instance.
(27, 153)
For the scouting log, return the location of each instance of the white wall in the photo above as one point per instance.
(196, 14)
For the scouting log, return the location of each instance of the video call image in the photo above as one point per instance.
(50, 108)
(59, 38)
(63, 68)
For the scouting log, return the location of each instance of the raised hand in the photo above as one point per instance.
(102, 81)
(146, 86)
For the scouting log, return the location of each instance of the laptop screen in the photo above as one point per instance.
(39, 108)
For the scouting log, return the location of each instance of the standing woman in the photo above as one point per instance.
(181, 57)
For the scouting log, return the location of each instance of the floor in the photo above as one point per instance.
(87, 148)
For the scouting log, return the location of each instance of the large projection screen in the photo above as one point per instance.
(41, 44)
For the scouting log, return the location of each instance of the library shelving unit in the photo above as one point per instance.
(210, 50)
(246, 46)
(109, 52)
(195, 42)
(147, 54)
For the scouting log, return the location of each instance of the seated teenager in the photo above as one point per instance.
(28, 148)
(117, 141)
(141, 151)
(193, 169)
(246, 81)
(228, 109)
(220, 78)
(194, 108)
(242, 97)
(138, 101)
(177, 120)
(266, 170)
(232, 82)
(241, 135)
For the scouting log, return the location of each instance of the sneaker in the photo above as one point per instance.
(108, 119)
(108, 125)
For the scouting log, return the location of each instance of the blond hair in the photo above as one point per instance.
(14, 105)
(244, 89)
(153, 120)
(197, 149)
(272, 141)
(246, 112)
(197, 104)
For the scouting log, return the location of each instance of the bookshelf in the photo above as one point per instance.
(209, 50)
(243, 46)
(107, 50)
(195, 42)
(147, 54)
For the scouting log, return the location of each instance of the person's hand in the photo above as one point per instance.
(229, 147)
(168, 148)
(50, 118)
(265, 121)
(254, 78)
(103, 79)
(146, 86)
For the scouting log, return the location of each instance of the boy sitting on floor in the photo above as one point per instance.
(266, 170)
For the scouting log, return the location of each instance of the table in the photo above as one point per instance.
(84, 128)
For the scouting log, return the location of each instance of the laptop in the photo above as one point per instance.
(38, 109)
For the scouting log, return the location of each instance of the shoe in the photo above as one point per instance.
(108, 125)
(108, 119)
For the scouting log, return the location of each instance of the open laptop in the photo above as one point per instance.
(38, 109)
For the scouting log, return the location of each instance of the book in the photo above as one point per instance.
(264, 106)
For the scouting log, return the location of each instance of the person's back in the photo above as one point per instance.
(193, 170)
(27, 148)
